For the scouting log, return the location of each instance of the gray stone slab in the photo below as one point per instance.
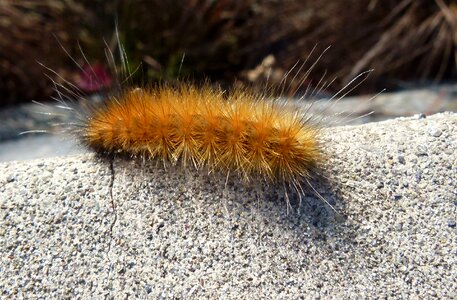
(43, 146)
(81, 227)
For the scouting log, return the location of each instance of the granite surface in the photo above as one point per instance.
(82, 227)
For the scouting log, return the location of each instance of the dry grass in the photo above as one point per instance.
(30, 30)
(223, 40)
(401, 40)
(227, 39)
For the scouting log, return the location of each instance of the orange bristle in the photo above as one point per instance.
(238, 132)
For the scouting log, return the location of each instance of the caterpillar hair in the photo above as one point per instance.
(199, 126)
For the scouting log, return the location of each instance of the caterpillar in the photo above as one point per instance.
(242, 132)
(204, 128)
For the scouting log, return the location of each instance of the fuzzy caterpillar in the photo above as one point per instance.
(202, 127)
(242, 132)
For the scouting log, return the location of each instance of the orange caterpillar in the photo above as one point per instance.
(202, 127)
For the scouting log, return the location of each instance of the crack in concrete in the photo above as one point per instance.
(113, 206)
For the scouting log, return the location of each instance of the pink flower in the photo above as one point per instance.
(93, 78)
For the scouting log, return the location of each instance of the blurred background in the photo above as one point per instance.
(410, 45)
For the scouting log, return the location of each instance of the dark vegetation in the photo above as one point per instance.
(228, 40)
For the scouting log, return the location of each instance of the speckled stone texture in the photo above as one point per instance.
(81, 227)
